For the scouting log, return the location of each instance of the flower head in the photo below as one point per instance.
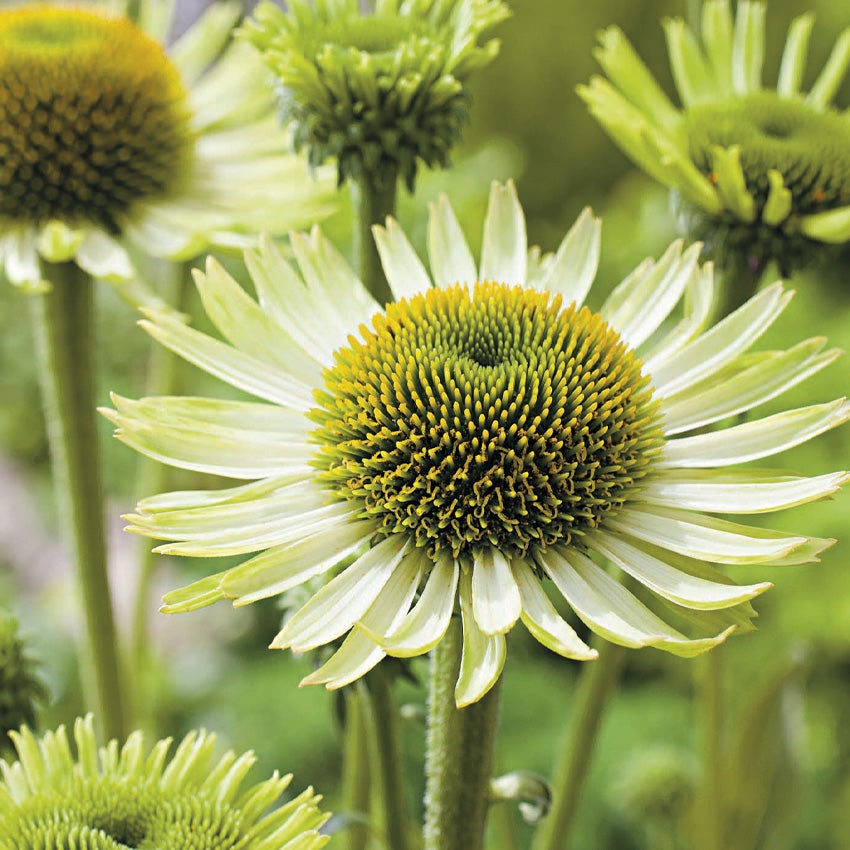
(762, 174)
(20, 688)
(478, 440)
(378, 92)
(110, 145)
(108, 798)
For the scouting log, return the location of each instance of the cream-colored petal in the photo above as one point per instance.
(496, 601)
(504, 251)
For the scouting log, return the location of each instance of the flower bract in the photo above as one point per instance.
(480, 445)
(112, 798)
(109, 146)
(762, 174)
(378, 92)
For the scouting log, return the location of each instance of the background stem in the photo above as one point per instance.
(356, 768)
(596, 684)
(390, 780)
(63, 326)
(710, 714)
(372, 204)
(459, 759)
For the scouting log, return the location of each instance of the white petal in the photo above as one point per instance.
(704, 538)
(669, 582)
(771, 374)
(253, 535)
(448, 252)
(359, 653)
(738, 491)
(611, 611)
(699, 297)
(425, 625)
(104, 258)
(58, 243)
(504, 252)
(483, 656)
(227, 363)
(544, 622)
(405, 273)
(179, 499)
(248, 328)
(344, 600)
(728, 338)
(638, 308)
(753, 440)
(201, 44)
(21, 263)
(495, 596)
(284, 567)
(574, 266)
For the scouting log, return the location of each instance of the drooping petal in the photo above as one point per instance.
(426, 623)
(757, 439)
(667, 581)
(495, 596)
(344, 600)
(483, 656)
(611, 611)
(738, 491)
(359, 653)
(544, 622)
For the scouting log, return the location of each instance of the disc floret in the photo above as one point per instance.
(490, 416)
(93, 118)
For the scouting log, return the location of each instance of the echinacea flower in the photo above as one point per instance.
(378, 92)
(106, 798)
(110, 146)
(480, 439)
(763, 174)
(21, 690)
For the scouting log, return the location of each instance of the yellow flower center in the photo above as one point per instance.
(93, 118)
(491, 416)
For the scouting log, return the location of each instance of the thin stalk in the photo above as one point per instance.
(63, 326)
(596, 684)
(372, 204)
(356, 768)
(459, 758)
(390, 780)
(710, 713)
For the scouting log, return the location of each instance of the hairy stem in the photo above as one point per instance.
(63, 325)
(459, 759)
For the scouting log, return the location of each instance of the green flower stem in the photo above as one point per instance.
(710, 809)
(372, 204)
(738, 282)
(356, 768)
(63, 320)
(459, 760)
(596, 684)
(388, 760)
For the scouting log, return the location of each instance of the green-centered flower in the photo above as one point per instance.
(118, 798)
(110, 146)
(21, 691)
(762, 174)
(481, 439)
(379, 92)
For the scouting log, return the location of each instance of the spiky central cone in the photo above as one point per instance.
(809, 148)
(117, 813)
(494, 416)
(93, 118)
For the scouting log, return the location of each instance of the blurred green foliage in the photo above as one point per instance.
(212, 666)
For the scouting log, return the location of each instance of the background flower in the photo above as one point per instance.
(378, 92)
(481, 434)
(763, 174)
(110, 146)
(21, 691)
(105, 797)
